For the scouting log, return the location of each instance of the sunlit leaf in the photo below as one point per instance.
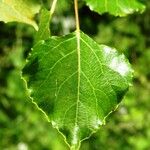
(19, 11)
(115, 7)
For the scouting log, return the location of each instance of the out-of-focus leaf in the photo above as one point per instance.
(19, 10)
(44, 26)
(116, 7)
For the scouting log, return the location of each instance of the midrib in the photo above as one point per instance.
(79, 73)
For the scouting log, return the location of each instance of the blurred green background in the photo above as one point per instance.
(23, 127)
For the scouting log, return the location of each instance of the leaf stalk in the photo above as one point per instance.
(76, 15)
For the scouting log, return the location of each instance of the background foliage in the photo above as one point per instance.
(23, 127)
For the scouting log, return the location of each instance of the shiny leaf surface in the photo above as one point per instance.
(76, 88)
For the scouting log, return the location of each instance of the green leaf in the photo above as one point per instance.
(44, 26)
(19, 10)
(115, 7)
(76, 88)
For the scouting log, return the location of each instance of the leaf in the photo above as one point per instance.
(115, 7)
(20, 11)
(76, 88)
(44, 26)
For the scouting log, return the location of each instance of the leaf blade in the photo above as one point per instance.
(53, 81)
(20, 11)
(44, 26)
(117, 7)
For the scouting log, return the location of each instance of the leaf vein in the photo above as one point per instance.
(54, 67)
